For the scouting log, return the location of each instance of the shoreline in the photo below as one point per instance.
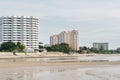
(97, 71)
(49, 54)
(7, 60)
(39, 64)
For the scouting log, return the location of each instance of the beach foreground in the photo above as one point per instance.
(21, 60)
(62, 71)
(80, 67)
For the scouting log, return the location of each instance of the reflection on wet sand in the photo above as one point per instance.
(61, 68)
(56, 59)
(29, 73)
(61, 73)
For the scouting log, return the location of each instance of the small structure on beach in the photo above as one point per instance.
(28, 50)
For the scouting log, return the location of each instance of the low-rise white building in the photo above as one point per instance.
(103, 46)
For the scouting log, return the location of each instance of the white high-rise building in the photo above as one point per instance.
(22, 29)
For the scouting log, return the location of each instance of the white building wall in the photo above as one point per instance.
(98, 46)
(20, 28)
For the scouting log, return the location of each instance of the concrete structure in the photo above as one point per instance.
(63, 37)
(22, 29)
(118, 50)
(100, 46)
(68, 37)
(74, 39)
(54, 40)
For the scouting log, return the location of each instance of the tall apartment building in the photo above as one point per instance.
(63, 37)
(54, 40)
(74, 39)
(22, 29)
(69, 37)
(103, 46)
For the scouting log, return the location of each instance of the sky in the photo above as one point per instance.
(96, 20)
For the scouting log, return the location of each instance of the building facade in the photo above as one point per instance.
(64, 37)
(100, 46)
(74, 39)
(118, 50)
(69, 37)
(54, 40)
(22, 29)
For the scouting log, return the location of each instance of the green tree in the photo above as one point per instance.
(41, 46)
(20, 46)
(94, 50)
(8, 46)
(61, 48)
(64, 48)
(85, 48)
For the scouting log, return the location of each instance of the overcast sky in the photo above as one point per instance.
(96, 20)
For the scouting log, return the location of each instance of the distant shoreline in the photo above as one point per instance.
(8, 55)
(8, 60)
(36, 64)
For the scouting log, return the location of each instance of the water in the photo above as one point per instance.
(61, 73)
(42, 59)
(64, 59)
(100, 58)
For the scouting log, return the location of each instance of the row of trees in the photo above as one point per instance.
(12, 47)
(61, 48)
(94, 50)
(66, 49)
(19, 47)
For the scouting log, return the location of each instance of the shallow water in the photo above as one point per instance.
(73, 72)
(61, 73)
(63, 59)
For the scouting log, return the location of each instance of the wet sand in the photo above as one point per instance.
(8, 60)
(33, 63)
(61, 71)
(82, 67)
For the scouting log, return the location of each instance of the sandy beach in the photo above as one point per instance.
(37, 59)
(62, 72)
(59, 66)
